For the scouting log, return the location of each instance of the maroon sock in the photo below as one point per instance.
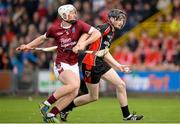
(52, 99)
(55, 110)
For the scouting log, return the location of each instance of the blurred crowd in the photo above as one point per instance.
(150, 53)
(23, 20)
(158, 52)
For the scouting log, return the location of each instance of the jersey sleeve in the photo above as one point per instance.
(85, 28)
(49, 33)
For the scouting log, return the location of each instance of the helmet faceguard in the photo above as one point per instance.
(117, 15)
(65, 12)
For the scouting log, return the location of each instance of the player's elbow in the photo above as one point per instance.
(98, 33)
(41, 39)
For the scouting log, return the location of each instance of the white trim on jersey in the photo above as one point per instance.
(91, 30)
(45, 36)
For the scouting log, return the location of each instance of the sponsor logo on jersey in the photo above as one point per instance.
(65, 42)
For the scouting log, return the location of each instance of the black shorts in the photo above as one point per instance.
(92, 74)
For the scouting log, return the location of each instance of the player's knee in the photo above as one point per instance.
(121, 86)
(94, 97)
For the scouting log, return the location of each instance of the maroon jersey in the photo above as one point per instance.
(66, 39)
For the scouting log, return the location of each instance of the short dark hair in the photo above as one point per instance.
(117, 13)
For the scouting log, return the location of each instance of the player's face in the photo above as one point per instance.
(119, 23)
(72, 15)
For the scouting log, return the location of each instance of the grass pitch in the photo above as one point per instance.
(105, 110)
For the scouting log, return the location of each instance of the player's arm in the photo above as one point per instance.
(36, 42)
(87, 39)
(94, 34)
(114, 64)
(83, 38)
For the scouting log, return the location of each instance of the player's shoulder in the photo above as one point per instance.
(104, 27)
(56, 23)
(80, 22)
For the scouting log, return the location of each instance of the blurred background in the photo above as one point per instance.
(150, 42)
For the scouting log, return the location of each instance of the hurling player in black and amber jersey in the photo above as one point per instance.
(94, 68)
(65, 31)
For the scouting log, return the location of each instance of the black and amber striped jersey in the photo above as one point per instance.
(103, 42)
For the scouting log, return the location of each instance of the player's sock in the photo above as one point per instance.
(125, 111)
(54, 110)
(69, 107)
(51, 99)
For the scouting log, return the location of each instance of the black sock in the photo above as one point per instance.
(125, 111)
(69, 107)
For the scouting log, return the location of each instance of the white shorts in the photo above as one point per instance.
(64, 66)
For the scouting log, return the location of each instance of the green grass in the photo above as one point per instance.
(104, 110)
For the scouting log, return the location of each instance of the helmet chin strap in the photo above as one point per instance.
(72, 21)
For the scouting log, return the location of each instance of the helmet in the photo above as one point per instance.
(65, 10)
(117, 14)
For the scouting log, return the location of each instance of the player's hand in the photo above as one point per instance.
(79, 47)
(75, 49)
(23, 47)
(125, 68)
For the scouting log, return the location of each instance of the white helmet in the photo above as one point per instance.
(64, 10)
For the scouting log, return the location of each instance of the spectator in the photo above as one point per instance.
(132, 43)
(153, 57)
(177, 55)
(22, 20)
(5, 63)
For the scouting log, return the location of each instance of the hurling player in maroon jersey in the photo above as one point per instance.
(94, 68)
(66, 32)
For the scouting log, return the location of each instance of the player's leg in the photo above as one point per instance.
(66, 100)
(92, 96)
(91, 75)
(92, 82)
(65, 112)
(93, 91)
(112, 77)
(61, 103)
(51, 116)
(70, 85)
